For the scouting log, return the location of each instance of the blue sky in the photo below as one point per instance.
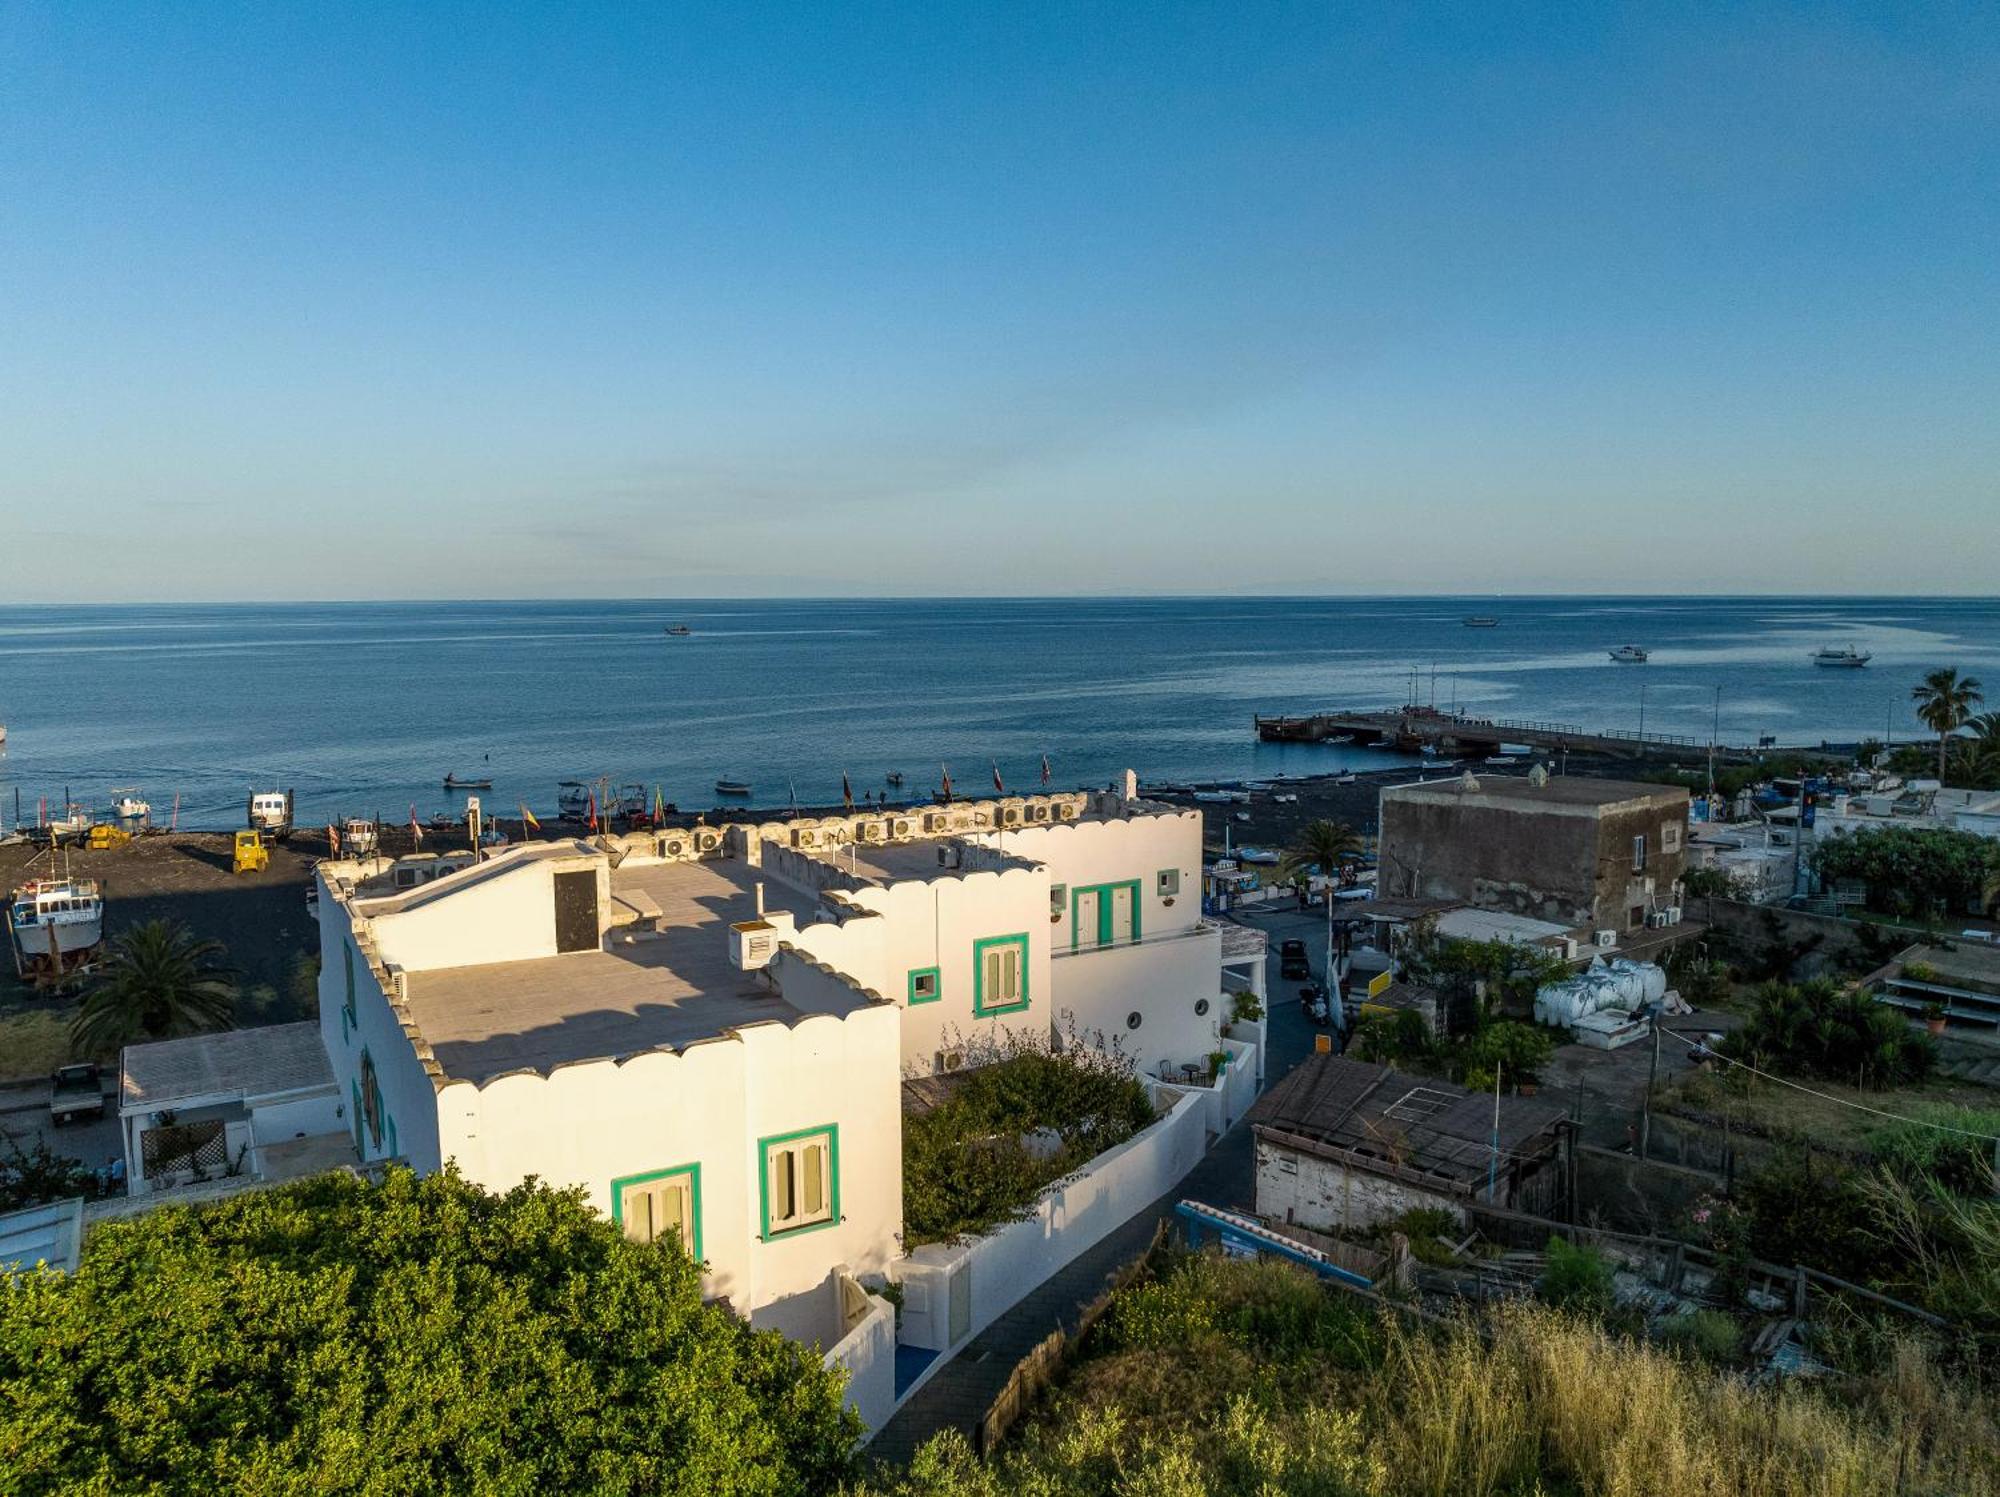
(377, 301)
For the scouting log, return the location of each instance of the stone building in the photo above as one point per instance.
(1592, 855)
(1343, 1143)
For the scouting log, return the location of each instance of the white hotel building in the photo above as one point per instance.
(708, 1030)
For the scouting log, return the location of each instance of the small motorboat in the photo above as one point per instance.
(733, 787)
(1480, 621)
(1344, 779)
(1263, 857)
(127, 805)
(573, 800)
(453, 782)
(1842, 656)
(1629, 655)
(893, 777)
(678, 631)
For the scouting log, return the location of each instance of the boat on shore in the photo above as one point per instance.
(572, 800)
(56, 924)
(128, 805)
(453, 782)
(733, 787)
(1629, 655)
(1842, 656)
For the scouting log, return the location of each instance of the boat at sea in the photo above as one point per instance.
(56, 925)
(1845, 656)
(128, 805)
(1629, 655)
(733, 787)
(453, 782)
(679, 631)
(1479, 621)
(893, 777)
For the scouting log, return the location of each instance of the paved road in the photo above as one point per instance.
(960, 1394)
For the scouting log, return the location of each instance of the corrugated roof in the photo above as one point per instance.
(235, 1063)
(1415, 1123)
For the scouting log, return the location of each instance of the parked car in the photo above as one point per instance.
(1292, 961)
(79, 1093)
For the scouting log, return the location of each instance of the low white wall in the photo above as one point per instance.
(868, 1353)
(1072, 1217)
(1226, 1099)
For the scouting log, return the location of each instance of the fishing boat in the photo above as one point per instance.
(732, 787)
(1629, 655)
(893, 777)
(72, 825)
(358, 836)
(128, 806)
(572, 800)
(1479, 621)
(679, 631)
(453, 782)
(1842, 656)
(56, 924)
(1344, 779)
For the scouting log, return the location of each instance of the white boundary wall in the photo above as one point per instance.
(1072, 1217)
(868, 1353)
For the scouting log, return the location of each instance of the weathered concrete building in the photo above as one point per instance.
(1593, 855)
(1343, 1143)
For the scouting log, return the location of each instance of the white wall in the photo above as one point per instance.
(306, 1116)
(1162, 980)
(1084, 853)
(502, 911)
(408, 1097)
(1322, 1195)
(709, 1105)
(1074, 1216)
(868, 1355)
(935, 923)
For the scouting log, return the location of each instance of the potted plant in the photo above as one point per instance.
(1218, 1062)
(1934, 1016)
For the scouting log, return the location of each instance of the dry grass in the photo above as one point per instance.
(1788, 1113)
(33, 1042)
(1549, 1396)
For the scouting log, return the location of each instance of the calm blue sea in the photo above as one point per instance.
(363, 708)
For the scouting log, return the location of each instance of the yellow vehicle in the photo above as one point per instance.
(104, 835)
(252, 856)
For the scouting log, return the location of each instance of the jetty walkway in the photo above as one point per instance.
(1413, 728)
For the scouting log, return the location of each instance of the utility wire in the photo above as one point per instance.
(1894, 1117)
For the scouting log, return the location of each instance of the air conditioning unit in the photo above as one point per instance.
(948, 855)
(937, 821)
(672, 847)
(903, 826)
(1039, 811)
(752, 943)
(707, 841)
(949, 1060)
(1657, 920)
(1673, 914)
(805, 836)
(1607, 938)
(872, 831)
(1067, 810)
(1006, 815)
(1569, 948)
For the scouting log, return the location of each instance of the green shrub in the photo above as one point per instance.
(1577, 1278)
(1961, 1164)
(1801, 1208)
(1708, 1334)
(1820, 1028)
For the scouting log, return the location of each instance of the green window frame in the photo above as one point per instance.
(691, 1173)
(937, 985)
(1102, 936)
(980, 1007)
(372, 1110)
(802, 1204)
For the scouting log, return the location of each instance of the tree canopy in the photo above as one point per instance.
(414, 1336)
(1923, 871)
(159, 982)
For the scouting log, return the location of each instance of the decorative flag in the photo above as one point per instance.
(659, 806)
(416, 832)
(333, 839)
(998, 788)
(1045, 769)
(592, 822)
(846, 791)
(945, 793)
(528, 818)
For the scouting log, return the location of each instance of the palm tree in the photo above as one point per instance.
(1321, 844)
(1944, 701)
(1981, 752)
(160, 981)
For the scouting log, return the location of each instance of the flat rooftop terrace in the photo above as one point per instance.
(645, 991)
(1561, 793)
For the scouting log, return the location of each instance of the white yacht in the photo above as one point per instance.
(1842, 656)
(128, 806)
(1629, 655)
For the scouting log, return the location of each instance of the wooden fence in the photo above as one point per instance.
(1039, 1367)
